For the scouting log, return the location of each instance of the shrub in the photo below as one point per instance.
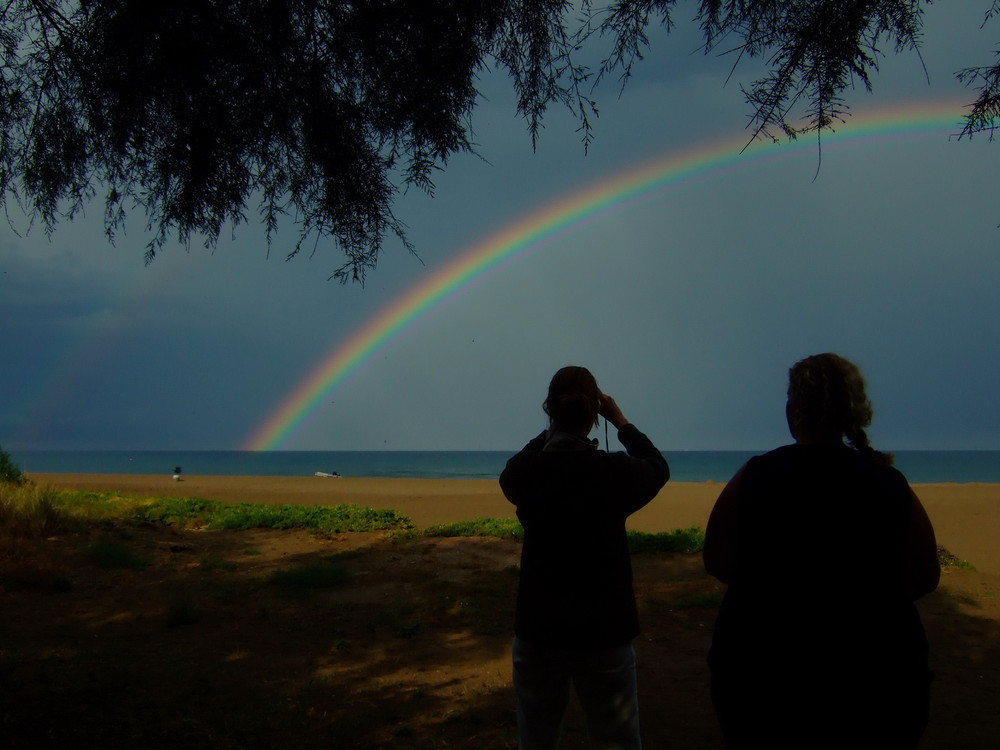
(678, 540)
(321, 519)
(502, 528)
(10, 472)
(947, 560)
(28, 512)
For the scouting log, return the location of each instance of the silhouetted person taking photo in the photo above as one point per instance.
(576, 614)
(824, 548)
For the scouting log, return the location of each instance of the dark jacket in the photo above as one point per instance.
(573, 499)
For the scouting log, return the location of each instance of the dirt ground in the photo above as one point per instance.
(200, 647)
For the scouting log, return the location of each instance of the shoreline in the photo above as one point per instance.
(966, 516)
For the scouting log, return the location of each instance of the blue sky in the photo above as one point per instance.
(688, 308)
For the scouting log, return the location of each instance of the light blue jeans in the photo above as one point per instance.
(604, 681)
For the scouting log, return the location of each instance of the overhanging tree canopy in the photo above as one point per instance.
(322, 110)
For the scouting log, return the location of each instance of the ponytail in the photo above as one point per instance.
(826, 395)
(857, 438)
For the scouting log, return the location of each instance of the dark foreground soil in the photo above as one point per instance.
(197, 645)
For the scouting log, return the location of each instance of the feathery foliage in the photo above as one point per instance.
(200, 113)
(28, 511)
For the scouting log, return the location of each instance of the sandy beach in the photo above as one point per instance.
(966, 517)
(410, 648)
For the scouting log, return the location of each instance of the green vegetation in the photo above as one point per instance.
(92, 508)
(321, 519)
(948, 560)
(29, 512)
(328, 111)
(502, 528)
(10, 472)
(680, 540)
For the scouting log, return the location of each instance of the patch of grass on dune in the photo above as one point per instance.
(322, 519)
(502, 528)
(87, 508)
(94, 507)
(948, 560)
(175, 511)
(679, 540)
(28, 511)
(31, 511)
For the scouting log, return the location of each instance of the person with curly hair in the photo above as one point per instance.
(824, 548)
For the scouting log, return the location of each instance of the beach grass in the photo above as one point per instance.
(680, 540)
(948, 560)
(687, 541)
(27, 511)
(500, 528)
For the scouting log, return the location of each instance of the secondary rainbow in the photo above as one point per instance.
(567, 214)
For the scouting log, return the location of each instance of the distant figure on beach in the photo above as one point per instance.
(177, 473)
(824, 548)
(576, 614)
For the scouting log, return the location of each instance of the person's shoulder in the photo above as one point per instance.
(781, 453)
(884, 473)
(773, 459)
(793, 463)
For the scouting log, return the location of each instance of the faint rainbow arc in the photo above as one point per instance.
(535, 230)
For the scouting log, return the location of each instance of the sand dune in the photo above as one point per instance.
(966, 517)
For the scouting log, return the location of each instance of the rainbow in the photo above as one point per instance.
(539, 229)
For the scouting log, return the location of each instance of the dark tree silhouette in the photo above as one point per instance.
(317, 112)
(984, 114)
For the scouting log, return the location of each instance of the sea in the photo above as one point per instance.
(685, 466)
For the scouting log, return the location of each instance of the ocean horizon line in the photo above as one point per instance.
(919, 466)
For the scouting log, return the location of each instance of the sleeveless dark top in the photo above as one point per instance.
(816, 591)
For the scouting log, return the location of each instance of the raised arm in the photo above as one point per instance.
(642, 472)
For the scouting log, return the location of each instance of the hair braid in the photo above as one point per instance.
(826, 396)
